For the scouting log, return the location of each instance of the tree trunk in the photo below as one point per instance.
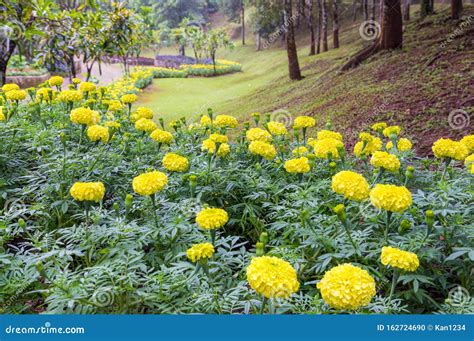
(354, 10)
(380, 10)
(312, 50)
(335, 25)
(318, 28)
(426, 8)
(406, 10)
(293, 64)
(242, 13)
(391, 35)
(325, 26)
(6, 50)
(365, 9)
(258, 42)
(372, 10)
(456, 8)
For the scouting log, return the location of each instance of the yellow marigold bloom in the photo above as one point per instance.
(87, 87)
(84, 116)
(76, 80)
(219, 138)
(16, 95)
(198, 252)
(403, 145)
(226, 121)
(129, 98)
(472, 168)
(366, 137)
(399, 259)
(326, 148)
(304, 122)
(224, 150)
(370, 147)
(301, 150)
(98, 133)
(114, 105)
(347, 287)
(149, 183)
(9, 87)
(257, 134)
(351, 185)
(145, 124)
(386, 161)
(44, 94)
(392, 130)
(469, 160)
(161, 136)
(206, 121)
(70, 96)
(379, 126)
(143, 112)
(390, 197)
(263, 149)
(87, 191)
(327, 134)
(277, 128)
(447, 148)
(175, 163)
(212, 218)
(272, 277)
(468, 141)
(56, 81)
(299, 165)
(2, 116)
(208, 146)
(112, 124)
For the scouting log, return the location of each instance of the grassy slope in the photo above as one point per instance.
(396, 86)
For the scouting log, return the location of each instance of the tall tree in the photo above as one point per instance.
(312, 50)
(335, 24)
(372, 10)
(234, 10)
(456, 8)
(391, 34)
(426, 8)
(406, 10)
(325, 25)
(318, 27)
(242, 20)
(293, 64)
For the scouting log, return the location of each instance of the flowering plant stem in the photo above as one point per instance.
(153, 203)
(264, 304)
(395, 276)
(446, 165)
(348, 232)
(387, 225)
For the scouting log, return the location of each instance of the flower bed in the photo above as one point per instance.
(197, 70)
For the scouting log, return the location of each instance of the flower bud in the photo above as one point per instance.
(116, 208)
(210, 113)
(409, 172)
(62, 137)
(264, 238)
(405, 225)
(128, 201)
(39, 266)
(268, 117)
(340, 210)
(162, 123)
(429, 217)
(256, 117)
(21, 223)
(328, 125)
(247, 125)
(332, 165)
(260, 249)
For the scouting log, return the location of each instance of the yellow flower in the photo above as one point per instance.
(392, 130)
(97, 133)
(379, 126)
(347, 287)
(212, 218)
(386, 161)
(469, 160)
(87, 191)
(87, 87)
(472, 168)
(70, 96)
(304, 122)
(145, 124)
(272, 277)
(76, 80)
(198, 252)
(112, 124)
(2, 116)
(129, 98)
(84, 116)
(326, 148)
(468, 141)
(351, 185)
(327, 134)
(447, 148)
(257, 134)
(224, 150)
(44, 94)
(390, 197)
(399, 259)
(277, 128)
(206, 121)
(114, 105)
(161, 136)
(263, 149)
(9, 87)
(374, 145)
(402, 145)
(219, 138)
(299, 165)
(56, 81)
(226, 121)
(208, 146)
(143, 112)
(16, 95)
(302, 150)
(175, 163)
(149, 183)
(366, 137)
